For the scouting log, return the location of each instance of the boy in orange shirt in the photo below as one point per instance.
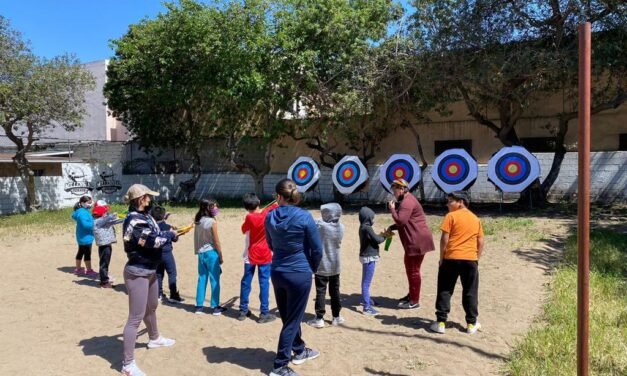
(461, 246)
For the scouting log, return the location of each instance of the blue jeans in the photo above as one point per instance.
(264, 287)
(168, 265)
(367, 274)
(291, 291)
(208, 268)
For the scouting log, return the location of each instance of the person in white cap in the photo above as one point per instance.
(142, 243)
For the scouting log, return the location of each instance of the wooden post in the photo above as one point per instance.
(583, 204)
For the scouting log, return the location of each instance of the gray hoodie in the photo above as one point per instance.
(331, 234)
(104, 232)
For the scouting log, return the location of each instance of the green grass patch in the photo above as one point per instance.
(549, 348)
(501, 225)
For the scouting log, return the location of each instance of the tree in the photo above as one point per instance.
(329, 73)
(37, 95)
(194, 72)
(508, 55)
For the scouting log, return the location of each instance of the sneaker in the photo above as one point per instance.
(283, 371)
(106, 285)
(472, 328)
(338, 321)
(243, 315)
(79, 271)
(307, 354)
(217, 311)
(266, 318)
(403, 300)
(199, 311)
(316, 323)
(370, 312)
(92, 273)
(438, 327)
(409, 305)
(175, 298)
(373, 303)
(131, 369)
(160, 342)
(160, 298)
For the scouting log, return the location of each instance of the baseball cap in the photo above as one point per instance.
(461, 195)
(100, 208)
(137, 191)
(401, 183)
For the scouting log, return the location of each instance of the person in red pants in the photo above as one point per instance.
(411, 223)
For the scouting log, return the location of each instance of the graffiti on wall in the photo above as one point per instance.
(78, 184)
(108, 184)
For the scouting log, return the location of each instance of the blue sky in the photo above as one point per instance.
(80, 27)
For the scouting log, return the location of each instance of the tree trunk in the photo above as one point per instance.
(558, 158)
(189, 186)
(423, 160)
(28, 178)
(258, 185)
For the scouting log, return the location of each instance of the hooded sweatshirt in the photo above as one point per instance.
(84, 226)
(368, 240)
(104, 232)
(331, 234)
(293, 237)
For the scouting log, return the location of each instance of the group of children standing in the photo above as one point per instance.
(461, 247)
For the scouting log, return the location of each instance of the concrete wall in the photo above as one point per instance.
(608, 184)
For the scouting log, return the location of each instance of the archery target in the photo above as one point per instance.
(305, 173)
(400, 166)
(454, 170)
(513, 168)
(349, 174)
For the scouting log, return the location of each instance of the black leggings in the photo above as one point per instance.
(84, 252)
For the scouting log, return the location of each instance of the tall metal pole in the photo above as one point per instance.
(583, 207)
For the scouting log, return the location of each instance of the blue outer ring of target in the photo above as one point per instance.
(525, 168)
(298, 167)
(389, 174)
(356, 172)
(453, 180)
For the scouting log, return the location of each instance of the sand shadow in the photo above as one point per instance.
(120, 287)
(353, 302)
(370, 371)
(249, 358)
(108, 348)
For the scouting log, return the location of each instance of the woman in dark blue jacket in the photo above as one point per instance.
(292, 234)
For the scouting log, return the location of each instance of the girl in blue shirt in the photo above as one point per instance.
(84, 235)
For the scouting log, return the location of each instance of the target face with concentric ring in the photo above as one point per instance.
(349, 174)
(513, 168)
(400, 166)
(454, 170)
(305, 173)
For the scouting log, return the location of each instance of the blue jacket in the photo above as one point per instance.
(84, 226)
(167, 247)
(143, 240)
(293, 237)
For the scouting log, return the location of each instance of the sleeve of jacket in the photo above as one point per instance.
(86, 220)
(377, 239)
(312, 235)
(402, 214)
(266, 226)
(138, 232)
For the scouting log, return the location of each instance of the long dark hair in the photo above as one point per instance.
(204, 208)
(81, 201)
(288, 189)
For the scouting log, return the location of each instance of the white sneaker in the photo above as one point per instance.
(316, 323)
(338, 321)
(438, 327)
(160, 342)
(131, 369)
(472, 328)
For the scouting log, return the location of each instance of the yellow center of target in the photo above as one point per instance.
(452, 169)
(398, 173)
(302, 173)
(348, 173)
(512, 168)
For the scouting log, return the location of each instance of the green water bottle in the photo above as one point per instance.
(388, 241)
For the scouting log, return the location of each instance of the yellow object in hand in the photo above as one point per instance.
(184, 230)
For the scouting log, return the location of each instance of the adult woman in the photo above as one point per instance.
(293, 237)
(417, 240)
(142, 243)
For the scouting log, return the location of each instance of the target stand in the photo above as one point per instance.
(512, 169)
(305, 172)
(400, 166)
(349, 175)
(454, 170)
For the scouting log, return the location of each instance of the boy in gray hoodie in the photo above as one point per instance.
(331, 234)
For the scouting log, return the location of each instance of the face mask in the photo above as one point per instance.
(87, 205)
(214, 212)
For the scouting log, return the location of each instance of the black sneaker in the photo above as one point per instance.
(404, 300)
(217, 311)
(243, 315)
(266, 318)
(175, 298)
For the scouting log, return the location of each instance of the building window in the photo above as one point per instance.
(539, 144)
(39, 172)
(622, 142)
(442, 146)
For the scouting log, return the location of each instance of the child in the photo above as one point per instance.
(104, 233)
(331, 234)
(368, 256)
(167, 258)
(207, 247)
(257, 253)
(84, 235)
(461, 246)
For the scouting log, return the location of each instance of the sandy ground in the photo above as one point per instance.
(54, 323)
